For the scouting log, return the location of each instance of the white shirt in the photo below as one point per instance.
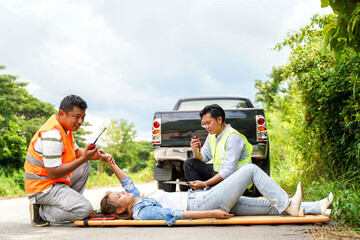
(173, 200)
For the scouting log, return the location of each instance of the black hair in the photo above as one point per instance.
(214, 110)
(71, 101)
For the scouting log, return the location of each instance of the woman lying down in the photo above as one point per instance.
(221, 201)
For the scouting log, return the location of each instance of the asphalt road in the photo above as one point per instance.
(15, 224)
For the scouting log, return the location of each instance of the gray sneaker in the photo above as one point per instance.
(35, 218)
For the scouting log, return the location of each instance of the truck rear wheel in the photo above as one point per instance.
(166, 187)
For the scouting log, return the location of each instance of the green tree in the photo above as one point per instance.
(315, 121)
(128, 154)
(20, 116)
(132, 156)
(344, 30)
(267, 90)
(32, 113)
(143, 149)
(80, 134)
(329, 92)
(118, 139)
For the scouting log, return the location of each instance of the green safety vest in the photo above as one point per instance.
(218, 151)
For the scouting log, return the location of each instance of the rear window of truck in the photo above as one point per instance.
(189, 105)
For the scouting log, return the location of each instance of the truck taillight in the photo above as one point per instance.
(156, 124)
(261, 131)
(156, 131)
(261, 120)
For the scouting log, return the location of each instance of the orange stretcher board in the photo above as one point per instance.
(237, 220)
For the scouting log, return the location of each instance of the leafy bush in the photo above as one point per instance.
(345, 208)
(313, 112)
(11, 183)
(286, 140)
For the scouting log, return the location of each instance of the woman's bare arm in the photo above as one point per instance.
(207, 214)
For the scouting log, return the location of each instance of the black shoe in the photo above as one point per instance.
(35, 218)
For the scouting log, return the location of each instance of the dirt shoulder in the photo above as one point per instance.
(333, 231)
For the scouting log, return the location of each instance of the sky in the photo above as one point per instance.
(129, 59)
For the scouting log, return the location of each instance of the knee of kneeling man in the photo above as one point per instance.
(86, 210)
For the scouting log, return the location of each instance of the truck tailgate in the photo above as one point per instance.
(177, 127)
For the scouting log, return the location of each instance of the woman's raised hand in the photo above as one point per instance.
(105, 157)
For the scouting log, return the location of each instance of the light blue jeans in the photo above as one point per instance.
(227, 195)
(247, 206)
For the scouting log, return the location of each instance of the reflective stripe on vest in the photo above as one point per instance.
(218, 150)
(33, 176)
(36, 177)
(34, 161)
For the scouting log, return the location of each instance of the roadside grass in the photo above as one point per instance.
(11, 183)
(346, 190)
(143, 176)
(99, 180)
(289, 165)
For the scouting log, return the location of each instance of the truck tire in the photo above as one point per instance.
(166, 187)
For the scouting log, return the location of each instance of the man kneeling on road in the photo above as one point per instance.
(56, 169)
(227, 148)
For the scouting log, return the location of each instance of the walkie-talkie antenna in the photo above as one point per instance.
(92, 145)
(99, 136)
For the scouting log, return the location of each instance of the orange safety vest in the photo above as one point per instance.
(36, 176)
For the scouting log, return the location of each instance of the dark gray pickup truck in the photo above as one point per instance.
(173, 130)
